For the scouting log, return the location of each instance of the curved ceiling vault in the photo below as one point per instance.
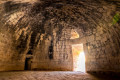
(38, 26)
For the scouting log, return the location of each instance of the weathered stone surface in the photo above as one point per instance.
(56, 75)
(42, 30)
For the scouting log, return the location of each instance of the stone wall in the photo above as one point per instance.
(103, 50)
(9, 59)
(59, 58)
(43, 30)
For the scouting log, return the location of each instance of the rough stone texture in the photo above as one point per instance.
(45, 76)
(103, 50)
(41, 32)
(53, 75)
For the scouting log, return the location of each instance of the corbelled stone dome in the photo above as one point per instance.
(40, 31)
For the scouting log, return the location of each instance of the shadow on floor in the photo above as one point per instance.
(106, 76)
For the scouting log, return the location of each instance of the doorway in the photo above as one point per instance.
(78, 58)
(28, 64)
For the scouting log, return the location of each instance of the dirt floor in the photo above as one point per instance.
(52, 75)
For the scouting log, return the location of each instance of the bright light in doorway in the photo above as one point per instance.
(81, 62)
(78, 58)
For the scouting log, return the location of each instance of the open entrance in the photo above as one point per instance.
(78, 58)
(28, 64)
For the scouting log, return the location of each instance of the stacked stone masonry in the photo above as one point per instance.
(42, 29)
